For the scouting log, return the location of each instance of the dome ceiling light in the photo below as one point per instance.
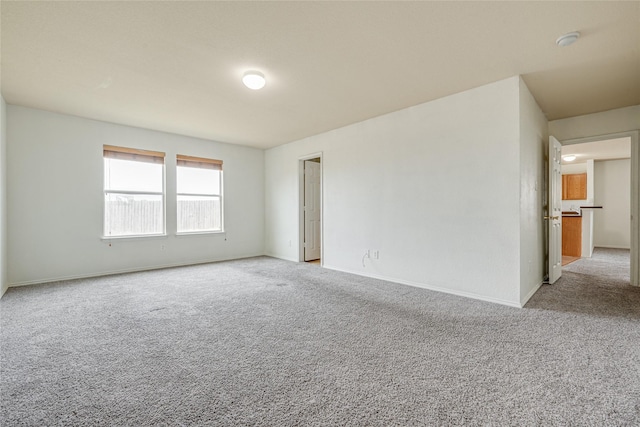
(254, 80)
(568, 39)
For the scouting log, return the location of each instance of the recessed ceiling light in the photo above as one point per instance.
(570, 158)
(254, 80)
(567, 39)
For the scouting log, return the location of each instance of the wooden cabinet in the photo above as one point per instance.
(572, 236)
(574, 186)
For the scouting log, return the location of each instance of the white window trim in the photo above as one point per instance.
(134, 237)
(198, 233)
(222, 215)
(104, 237)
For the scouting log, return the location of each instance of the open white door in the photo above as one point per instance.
(555, 210)
(311, 210)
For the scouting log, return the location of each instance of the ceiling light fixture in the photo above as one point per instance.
(570, 158)
(254, 80)
(568, 39)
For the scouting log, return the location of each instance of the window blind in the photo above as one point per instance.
(134, 154)
(198, 162)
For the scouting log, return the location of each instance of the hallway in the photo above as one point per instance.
(598, 285)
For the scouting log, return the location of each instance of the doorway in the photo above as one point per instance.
(310, 209)
(596, 197)
(626, 206)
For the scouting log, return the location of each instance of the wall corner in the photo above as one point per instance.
(3, 197)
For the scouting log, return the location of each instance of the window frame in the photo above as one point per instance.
(136, 155)
(204, 163)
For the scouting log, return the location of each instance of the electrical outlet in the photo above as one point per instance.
(289, 243)
(376, 254)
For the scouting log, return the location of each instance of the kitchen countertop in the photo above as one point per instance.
(579, 213)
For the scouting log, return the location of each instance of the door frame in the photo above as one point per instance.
(554, 209)
(301, 160)
(635, 192)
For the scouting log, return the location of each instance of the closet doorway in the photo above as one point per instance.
(311, 209)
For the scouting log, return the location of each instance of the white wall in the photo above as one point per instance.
(607, 122)
(587, 214)
(534, 141)
(612, 190)
(3, 197)
(55, 175)
(574, 168)
(434, 188)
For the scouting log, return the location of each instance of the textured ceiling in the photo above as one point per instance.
(176, 66)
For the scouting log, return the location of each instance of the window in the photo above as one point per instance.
(133, 192)
(199, 192)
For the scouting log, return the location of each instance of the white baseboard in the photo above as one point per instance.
(285, 258)
(357, 273)
(127, 270)
(431, 288)
(527, 297)
(612, 247)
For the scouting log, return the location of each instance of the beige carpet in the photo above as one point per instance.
(265, 342)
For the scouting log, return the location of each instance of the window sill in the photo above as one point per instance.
(134, 237)
(199, 233)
